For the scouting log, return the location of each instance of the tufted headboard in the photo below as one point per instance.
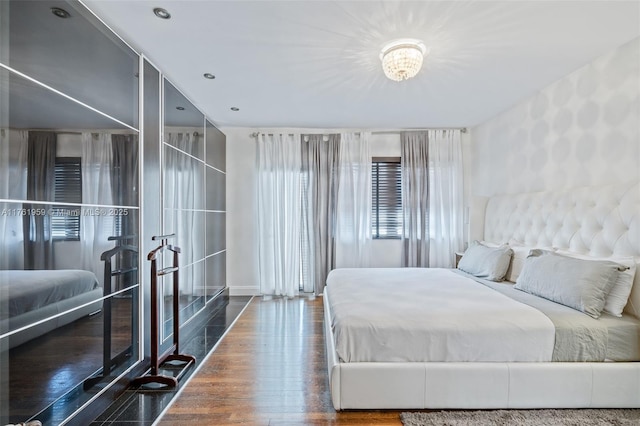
(600, 221)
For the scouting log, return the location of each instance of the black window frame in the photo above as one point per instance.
(65, 219)
(386, 198)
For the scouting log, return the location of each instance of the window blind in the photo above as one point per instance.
(386, 180)
(65, 220)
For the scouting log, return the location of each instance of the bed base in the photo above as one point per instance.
(478, 385)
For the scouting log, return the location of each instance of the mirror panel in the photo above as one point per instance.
(72, 54)
(216, 232)
(184, 199)
(216, 195)
(216, 276)
(31, 329)
(183, 123)
(67, 130)
(68, 194)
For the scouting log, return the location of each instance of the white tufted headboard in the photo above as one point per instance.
(600, 221)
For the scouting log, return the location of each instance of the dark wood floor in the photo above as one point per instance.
(270, 369)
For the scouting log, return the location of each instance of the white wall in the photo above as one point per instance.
(242, 225)
(582, 130)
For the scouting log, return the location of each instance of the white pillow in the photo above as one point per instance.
(486, 262)
(576, 283)
(517, 262)
(619, 294)
(520, 253)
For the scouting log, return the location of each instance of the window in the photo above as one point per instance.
(65, 220)
(386, 215)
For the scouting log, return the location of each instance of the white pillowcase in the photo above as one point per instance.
(619, 294)
(520, 253)
(579, 284)
(486, 262)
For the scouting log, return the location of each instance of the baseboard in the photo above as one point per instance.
(244, 290)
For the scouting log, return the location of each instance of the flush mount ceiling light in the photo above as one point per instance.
(402, 59)
(209, 76)
(162, 13)
(179, 108)
(235, 109)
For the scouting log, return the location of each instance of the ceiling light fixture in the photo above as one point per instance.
(402, 59)
(179, 108)
(209, 75)
(162, 13)
(235, 109)
(60, 12)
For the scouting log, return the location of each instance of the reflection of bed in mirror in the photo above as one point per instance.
(54, 297)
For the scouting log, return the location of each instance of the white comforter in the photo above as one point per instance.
(429, 314)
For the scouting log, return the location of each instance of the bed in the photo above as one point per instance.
(36, 302)
(524, 352)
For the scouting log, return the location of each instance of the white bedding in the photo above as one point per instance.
(368, 328)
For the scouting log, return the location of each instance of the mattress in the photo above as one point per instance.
(26, 291)
(430, 314)
(380, 315)
(580, 337)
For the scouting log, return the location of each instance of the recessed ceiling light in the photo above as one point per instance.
(60, 13)
(209, 75)
(179, 108)
(235, 109)
(162, 13)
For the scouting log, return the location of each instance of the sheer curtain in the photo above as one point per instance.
(279, 213)
(353, 230)
(124, 191)
(13, 186)
(96, 189)
(320, 164)
(446, 220)
(179, 189)
(41, 163)
(414, 149)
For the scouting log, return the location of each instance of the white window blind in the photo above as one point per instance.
(386, 216)
(65, 220)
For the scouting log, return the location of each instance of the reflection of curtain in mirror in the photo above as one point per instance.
(181, 187)
(13, 186)
(41, 163)
(95, 227)
(124, 191)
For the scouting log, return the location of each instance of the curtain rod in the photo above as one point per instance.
(379, 132)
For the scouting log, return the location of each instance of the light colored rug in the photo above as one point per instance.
(586, 417)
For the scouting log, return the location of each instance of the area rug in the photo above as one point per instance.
(586, 417)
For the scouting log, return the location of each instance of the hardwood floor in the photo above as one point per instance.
(270, 369)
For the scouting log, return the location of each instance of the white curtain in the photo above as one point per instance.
(182, 180)
(13, 185)
(353, 231)
(95, 229)
(279, 213)
(446, 212)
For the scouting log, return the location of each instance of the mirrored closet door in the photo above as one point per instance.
(69, 212)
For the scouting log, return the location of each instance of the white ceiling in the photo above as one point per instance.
(315, 64)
